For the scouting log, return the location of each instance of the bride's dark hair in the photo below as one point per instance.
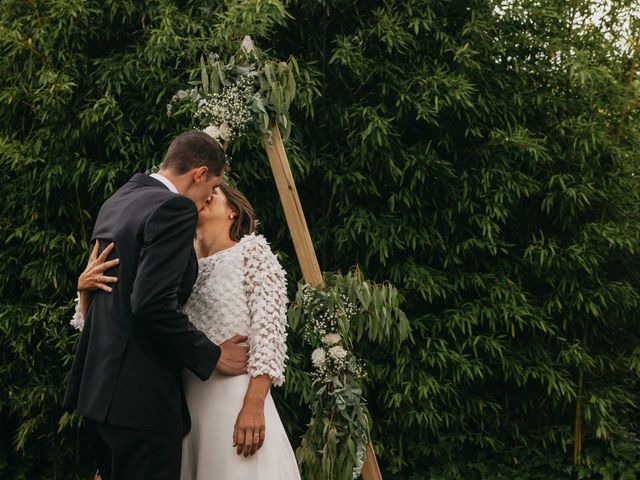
(245, 221)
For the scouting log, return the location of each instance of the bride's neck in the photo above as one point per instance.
(212, 239)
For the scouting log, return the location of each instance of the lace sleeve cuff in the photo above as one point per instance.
(77, 321)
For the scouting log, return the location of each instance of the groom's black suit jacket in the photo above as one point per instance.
(137, 339)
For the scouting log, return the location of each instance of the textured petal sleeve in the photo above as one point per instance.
(266, 288)
(77, 321)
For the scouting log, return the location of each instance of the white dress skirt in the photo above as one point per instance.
(239, 291)
(208, 452)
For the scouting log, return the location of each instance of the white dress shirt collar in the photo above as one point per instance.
(165, 181)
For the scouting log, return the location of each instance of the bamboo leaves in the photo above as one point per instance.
(496, 189)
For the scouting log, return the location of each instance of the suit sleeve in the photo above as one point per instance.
(168, 243)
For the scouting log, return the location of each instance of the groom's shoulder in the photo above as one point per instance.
(164, 203)
(142, 195)
(176, 203)
(142, 187)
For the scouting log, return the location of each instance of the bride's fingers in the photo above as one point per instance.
(104, 287)
(240, 442)
(107, 265)
(248, 442)
(256, 442)
(103, 279)
(94, 252)
(103, 256)
(262, 436)
(252, 445)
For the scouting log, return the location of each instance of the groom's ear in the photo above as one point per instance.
(200, 174)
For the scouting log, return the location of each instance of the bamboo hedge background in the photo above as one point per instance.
(481, 155)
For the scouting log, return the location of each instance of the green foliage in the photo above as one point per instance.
(331, 318)
(480, 155)
(267, 89)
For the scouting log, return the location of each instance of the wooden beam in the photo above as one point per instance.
(292, 209)
(371, 470)
(302, 243)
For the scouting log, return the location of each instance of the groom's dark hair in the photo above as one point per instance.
(192, 150)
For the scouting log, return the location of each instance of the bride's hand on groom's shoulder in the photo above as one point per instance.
(233, 356)
(93, 277)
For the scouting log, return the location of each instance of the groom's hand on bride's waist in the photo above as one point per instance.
(233, 356)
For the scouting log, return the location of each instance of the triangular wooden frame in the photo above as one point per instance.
(301, 239)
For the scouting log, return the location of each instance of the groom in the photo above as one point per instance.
(126, 375)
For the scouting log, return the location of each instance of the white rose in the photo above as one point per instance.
(338, 352)
(212, 131)
(225, 131)
(318, 357)
(331, 338)
(247, 44)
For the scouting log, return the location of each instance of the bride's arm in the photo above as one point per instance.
(266, 290)
(250, 420)
(92, 278)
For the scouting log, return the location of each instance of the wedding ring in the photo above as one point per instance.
(256, 435)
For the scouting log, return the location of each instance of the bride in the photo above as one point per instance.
(236, 431)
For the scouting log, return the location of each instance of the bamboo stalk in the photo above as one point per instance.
(577, 433)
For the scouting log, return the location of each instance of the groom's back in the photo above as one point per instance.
(121, 220)
(117, 360)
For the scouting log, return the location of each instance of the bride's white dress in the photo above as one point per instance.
(240, 290)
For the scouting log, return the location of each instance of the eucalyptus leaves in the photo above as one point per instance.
(247, 91)
(331, 319)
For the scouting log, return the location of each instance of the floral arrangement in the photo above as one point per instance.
(330, 319)
(247, 92)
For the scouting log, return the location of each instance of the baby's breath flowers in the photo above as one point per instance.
(227, 113)
(325, 315)
(337, 372)
(330, 319)
(247, 92)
